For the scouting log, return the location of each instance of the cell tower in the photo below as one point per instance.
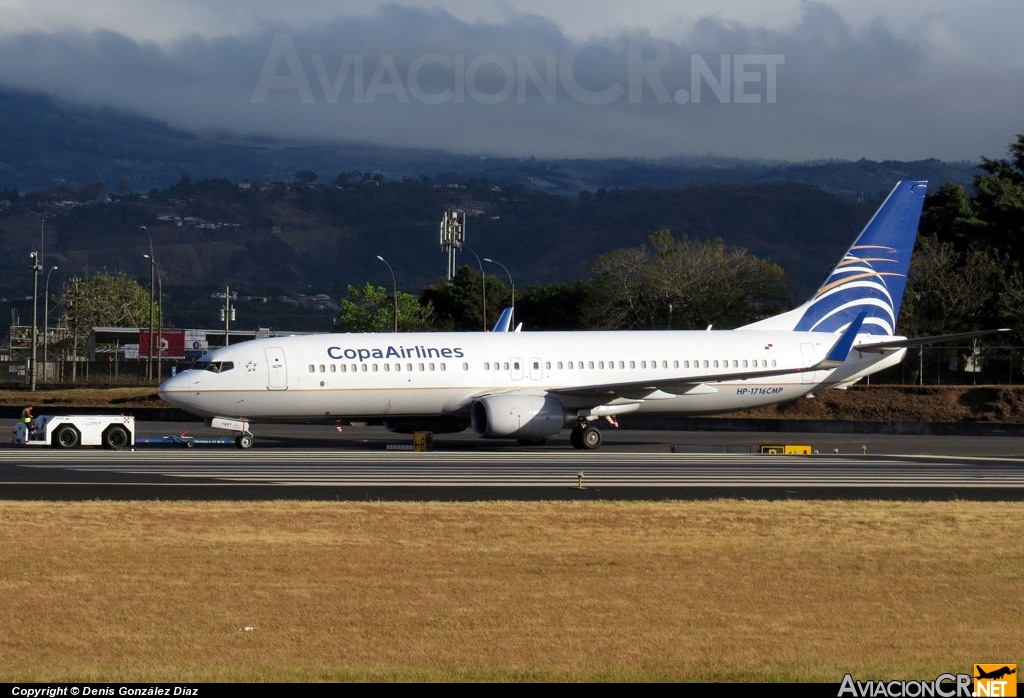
(453, 234)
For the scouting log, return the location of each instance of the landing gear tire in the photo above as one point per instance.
(585, 438)
(243, 441)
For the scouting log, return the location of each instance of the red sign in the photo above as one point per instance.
(167, 344)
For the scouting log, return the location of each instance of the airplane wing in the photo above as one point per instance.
(921, 341)
(670, 387)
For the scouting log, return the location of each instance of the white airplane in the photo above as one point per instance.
(529, 386)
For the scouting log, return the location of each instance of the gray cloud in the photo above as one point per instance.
(818, 88)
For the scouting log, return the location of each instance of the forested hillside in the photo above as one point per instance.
(268, 237)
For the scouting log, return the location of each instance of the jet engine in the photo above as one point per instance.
(518, 416)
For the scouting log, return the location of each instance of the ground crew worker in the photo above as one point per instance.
(28, 418)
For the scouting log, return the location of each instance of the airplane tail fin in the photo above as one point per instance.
(871, 276)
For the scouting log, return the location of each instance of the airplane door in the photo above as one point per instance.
(277, 371)
(516, 365)
(808, 354)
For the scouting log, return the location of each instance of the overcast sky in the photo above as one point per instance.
(786, 80)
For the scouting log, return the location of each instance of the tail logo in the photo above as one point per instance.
(871, 277)
(858, 283)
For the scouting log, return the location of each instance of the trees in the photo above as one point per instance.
(105, 300)
(306, 177)
(967, 268)
(951, 291)
(470, 301)
(372, 309)
(681, 284)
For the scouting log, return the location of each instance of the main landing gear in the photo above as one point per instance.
(585, 437)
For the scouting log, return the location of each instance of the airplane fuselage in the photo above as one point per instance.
(389, 376)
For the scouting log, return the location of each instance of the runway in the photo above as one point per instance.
(298, 462)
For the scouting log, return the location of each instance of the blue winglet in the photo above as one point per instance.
(504, 322)
(841, 349)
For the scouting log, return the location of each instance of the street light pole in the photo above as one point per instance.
(36, 268)
(512, 322)
(394, 285)
(483, 285)
(46, 322)
(160, 332)
(152, 273)
(160, 320)
(152, 301)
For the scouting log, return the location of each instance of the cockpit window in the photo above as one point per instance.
(213, 366)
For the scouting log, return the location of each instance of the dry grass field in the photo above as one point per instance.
(516, 592)
(507, 592)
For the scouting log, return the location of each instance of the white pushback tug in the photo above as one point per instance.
(113, 432)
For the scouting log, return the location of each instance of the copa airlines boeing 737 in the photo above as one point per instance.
(531, 385)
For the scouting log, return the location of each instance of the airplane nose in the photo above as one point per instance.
(171, 387)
